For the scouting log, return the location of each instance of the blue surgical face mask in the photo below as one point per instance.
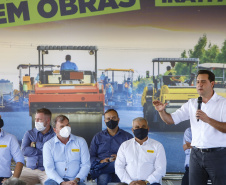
(140, 133)
(112, 124)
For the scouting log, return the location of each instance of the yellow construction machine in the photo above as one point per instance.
(166, 91)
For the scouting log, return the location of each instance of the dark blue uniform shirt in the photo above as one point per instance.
(103, 145)
(34, 158)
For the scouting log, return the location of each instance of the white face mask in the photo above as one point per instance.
(40, 126)
(65, 132)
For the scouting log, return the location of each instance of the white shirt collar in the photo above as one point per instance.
(144, 143)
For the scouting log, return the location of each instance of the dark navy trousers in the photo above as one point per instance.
(207, 165)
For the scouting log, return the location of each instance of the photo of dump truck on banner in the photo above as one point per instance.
(75, 94)
(169, 88)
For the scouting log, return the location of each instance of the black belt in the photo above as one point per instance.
(209, 149)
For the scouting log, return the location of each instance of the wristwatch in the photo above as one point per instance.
(147, 182)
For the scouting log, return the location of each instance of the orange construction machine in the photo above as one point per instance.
(75, 94)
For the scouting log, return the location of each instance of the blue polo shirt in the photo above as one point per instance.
(103, 145)
(9, 148)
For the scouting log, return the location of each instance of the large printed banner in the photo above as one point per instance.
(24, 12)
(122, 49)
(20, 12)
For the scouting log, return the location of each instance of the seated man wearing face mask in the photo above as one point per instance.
(104, 147)
(32, 145)
(140, 160)
(66, 156)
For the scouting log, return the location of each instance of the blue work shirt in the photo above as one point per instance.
(34, 158)
(9, 147)
(68, 65)
(130, 90)
(110, 89)
(103, 145)
(102, 77)
(68, 161)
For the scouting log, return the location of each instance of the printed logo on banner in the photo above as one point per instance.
(190, 2)
(24, 12)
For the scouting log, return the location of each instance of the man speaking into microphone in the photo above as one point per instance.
(207, 116)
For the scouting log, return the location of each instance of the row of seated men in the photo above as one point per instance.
(54, 156)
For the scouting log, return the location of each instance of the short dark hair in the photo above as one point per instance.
(109, 110)
(44, 111)
(168, 68)
(211, 76)
(68, 57)
(60, 119)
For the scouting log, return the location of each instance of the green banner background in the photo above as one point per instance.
(31, 6)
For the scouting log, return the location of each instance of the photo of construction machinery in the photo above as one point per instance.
(75, 94)
(174, 94)
(6, 93)
(118, 87)
(27, 83)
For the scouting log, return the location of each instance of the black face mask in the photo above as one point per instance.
(1, 123)
(140, 133)
(112, 124)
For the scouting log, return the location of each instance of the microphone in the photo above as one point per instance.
(199, 104)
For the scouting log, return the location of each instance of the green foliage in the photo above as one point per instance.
(183, 55)
(211, 54)
(182, 69)
(199, 49)
(206, 54)
(221, 58)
